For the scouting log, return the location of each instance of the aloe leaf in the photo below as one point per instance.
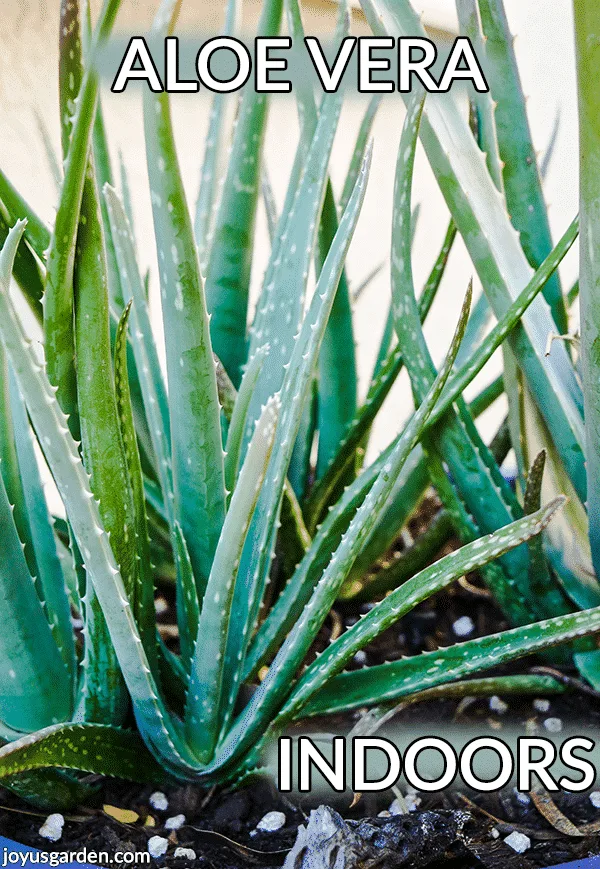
(546, 159)
(11, 471)
(338, 379)
(280, 307)
(474, 363)
(126, 194)
(404, 599)
(542, 583)
(482, 488)
(387, 337)
(52, 790)
(216, 142)
(144, 348)
(300, 469)
(104, 175)
(393, 681)
(494, 247)
(256, 558)
(188, 607)
(61, 453)
(58, 297)
(566, 544)
(587, 29)
(366, 282)
(102, 447)
(362, 139)
(522, 183)
(36, 232)
(270, 204)
(142, 593)
(337, 376)
(268, 697)
(49, 152)
(26, 270)
(290, 603)
(230, 261)
(70, 68)
(470, 26)
(405, 498)
(293, 535)
(34, 663)
(50, 572)
(381, 384)
(477, 327)
(207, 693)
(35, 688)
(93, 748)
(197, 452)
(238, 419)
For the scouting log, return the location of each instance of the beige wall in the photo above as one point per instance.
(28, 59)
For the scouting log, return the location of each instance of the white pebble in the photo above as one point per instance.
(187, 853)
(498, 705)
(412, 802)
(494, 833)
(463, 626)
(271, 822)
(553, 725)
(52, 827)
(519, 842)
(159, 801)
(157, 846)
(540, 704)
(360, 658)
(175, 823)
(595, 799)
(521, 797)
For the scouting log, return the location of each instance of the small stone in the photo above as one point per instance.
(157, 846)
(498, 705)
(161, 606)
(494, 833)
(412, 802)
(519, 842)
(553, 725)
(271, 822)
(595, 799)
(521, 797)
(185, 853)
(175, 823)
(463, 627)
(159, 801)
(360, 658)
(540, 704)
(384, 814)
(52, 827)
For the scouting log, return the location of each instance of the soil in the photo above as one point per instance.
(220, 826)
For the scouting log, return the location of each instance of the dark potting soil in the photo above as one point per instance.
(462, 830)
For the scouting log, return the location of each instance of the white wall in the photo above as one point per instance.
(544, 48)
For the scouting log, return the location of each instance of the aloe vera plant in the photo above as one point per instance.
(242, 475)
